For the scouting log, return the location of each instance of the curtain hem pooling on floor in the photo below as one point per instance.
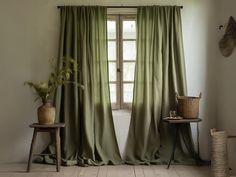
(89, 136)
(159, 74)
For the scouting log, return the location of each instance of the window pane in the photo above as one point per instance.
(111, 50)
(111, 29)
(113, 93)
(112, 71)
(129, 31)
(129, 50)
(128, 93)
(128, 71)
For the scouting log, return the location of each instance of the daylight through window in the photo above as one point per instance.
(121, 56)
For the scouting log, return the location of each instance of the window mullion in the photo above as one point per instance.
(120, 101)
(118, 64)
(121, 61)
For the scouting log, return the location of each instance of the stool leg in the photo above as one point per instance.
(58, 148)
(31, 150)
(172, 157)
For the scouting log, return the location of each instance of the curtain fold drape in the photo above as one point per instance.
(89, 136)
(159, 73)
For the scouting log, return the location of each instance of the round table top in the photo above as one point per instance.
(55, 125)
(182, 121)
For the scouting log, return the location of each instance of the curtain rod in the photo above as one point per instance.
(118, 7)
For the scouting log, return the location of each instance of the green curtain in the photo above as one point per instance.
(159, 73)
(89, 136)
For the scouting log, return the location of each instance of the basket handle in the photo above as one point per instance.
(213, 130)
(200, 95)
(231, 136)
(176, 96)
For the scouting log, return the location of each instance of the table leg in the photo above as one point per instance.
(174, 145)
(58, 149)
(198, 148)
(31, 150)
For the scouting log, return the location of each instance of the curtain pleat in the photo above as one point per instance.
(159, 73)
(89, 136)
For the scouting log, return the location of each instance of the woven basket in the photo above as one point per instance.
(188, 107)
(219, 157)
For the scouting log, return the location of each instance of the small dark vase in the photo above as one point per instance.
(46, 113)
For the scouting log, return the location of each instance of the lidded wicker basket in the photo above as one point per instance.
(188, 106)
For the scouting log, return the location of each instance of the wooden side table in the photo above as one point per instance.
(177, 124)
(53, 128)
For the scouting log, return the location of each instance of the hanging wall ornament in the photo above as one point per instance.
(228, 42)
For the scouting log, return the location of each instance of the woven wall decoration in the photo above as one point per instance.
(228, 42)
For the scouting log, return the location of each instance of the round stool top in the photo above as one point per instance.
(55, 125)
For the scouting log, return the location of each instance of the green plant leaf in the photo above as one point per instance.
(45, 90)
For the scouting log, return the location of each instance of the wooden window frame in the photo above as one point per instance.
(119, 18)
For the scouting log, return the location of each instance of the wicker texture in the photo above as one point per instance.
(219, 157)
(188, 107)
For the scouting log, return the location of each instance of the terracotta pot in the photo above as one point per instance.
(46, 113)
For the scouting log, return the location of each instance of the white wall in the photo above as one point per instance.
(199, 30)
(29, 37)
(226, 110)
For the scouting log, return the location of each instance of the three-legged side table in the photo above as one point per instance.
(177, 124)
(53, 128)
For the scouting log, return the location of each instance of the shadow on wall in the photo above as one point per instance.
(209, 108)
(200, 41)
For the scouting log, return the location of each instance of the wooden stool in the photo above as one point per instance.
(53, 128)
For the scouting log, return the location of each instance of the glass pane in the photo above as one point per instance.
(111, 50)
(128, 71)
(112, 71)
(128, 93)
(129, 50)
(111, 29)
(113, 93)
(129, 30)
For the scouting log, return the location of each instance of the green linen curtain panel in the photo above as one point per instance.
(159, 73)
(89, 136)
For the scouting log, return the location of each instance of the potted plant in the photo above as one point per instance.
(45, 89)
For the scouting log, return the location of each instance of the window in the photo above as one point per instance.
(121, 31)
